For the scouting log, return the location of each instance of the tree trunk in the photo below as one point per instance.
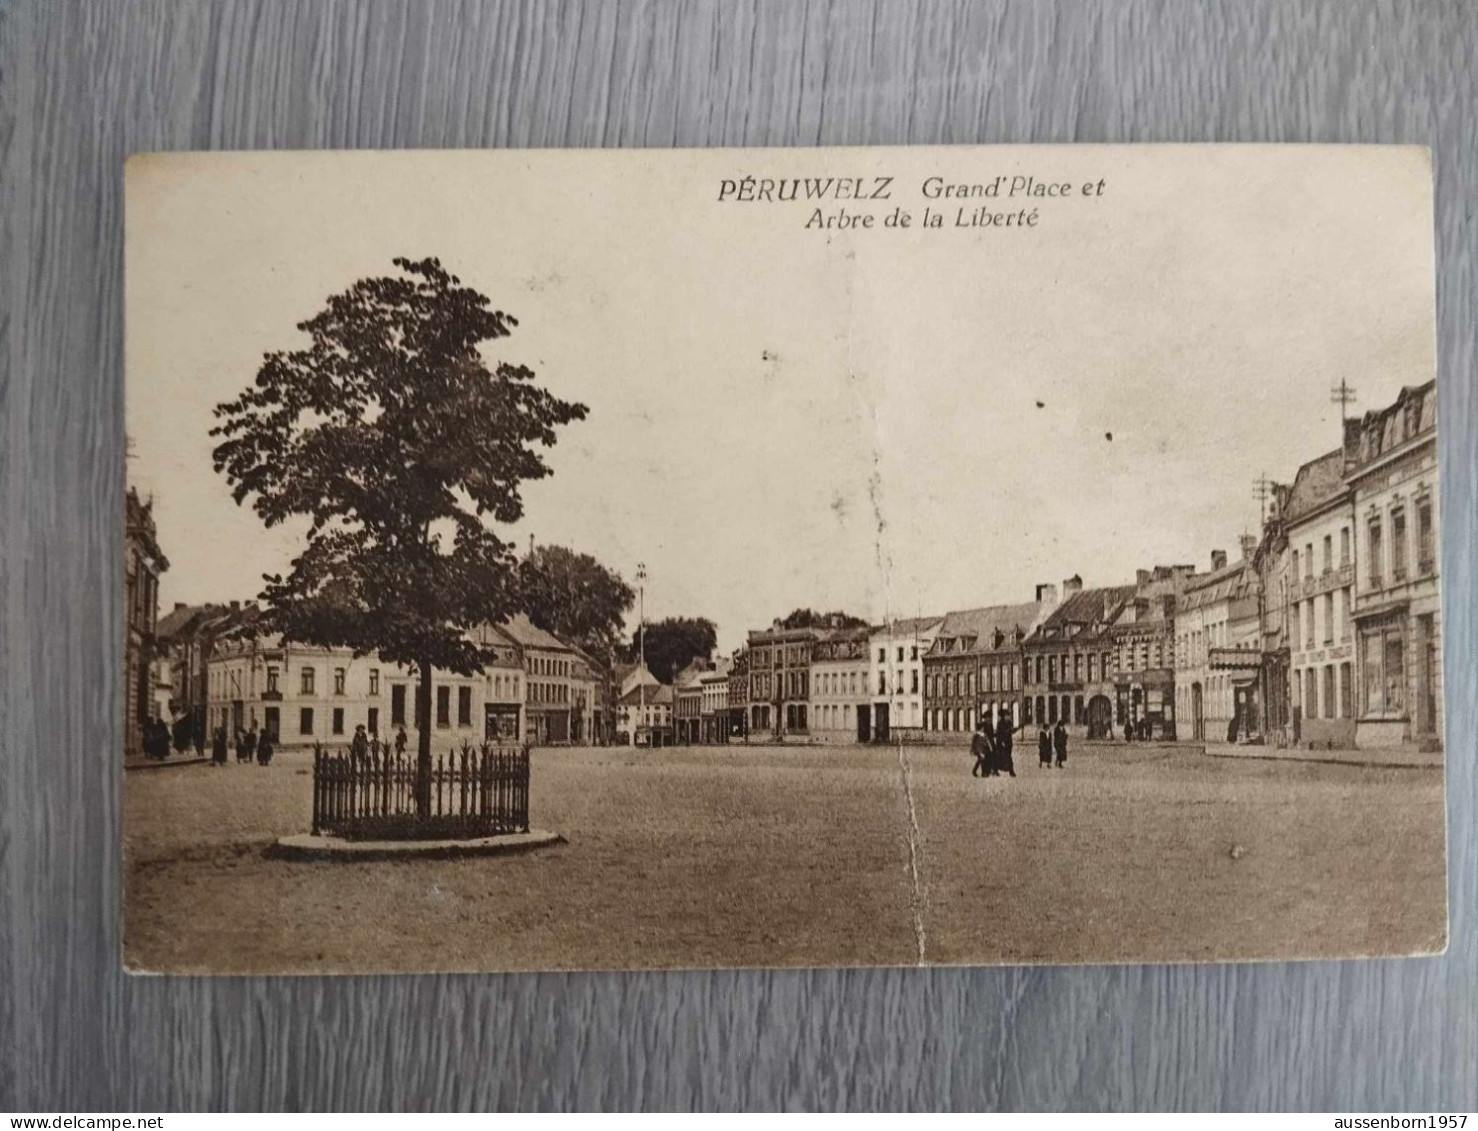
(423, 741)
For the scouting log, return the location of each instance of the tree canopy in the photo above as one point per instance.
(675, 642)
(573, 596)
(398, 441)
(810, 618)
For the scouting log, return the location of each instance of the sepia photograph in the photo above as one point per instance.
(629, 559)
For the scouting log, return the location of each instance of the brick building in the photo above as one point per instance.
(973, 667)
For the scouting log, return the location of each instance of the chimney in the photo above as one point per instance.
(1352, 440)
(1249, 546)
(1073, 584)
(178, 605)
(1141, 577)
(1218, 560)
(236, 606)
(1046, 594)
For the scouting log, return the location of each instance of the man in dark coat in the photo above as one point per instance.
(218, 747)
(1004, 737)
(1044, 745)
(981, 748)
(1059, 743)
(264, 747)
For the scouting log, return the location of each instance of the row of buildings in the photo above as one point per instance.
(1324, 630)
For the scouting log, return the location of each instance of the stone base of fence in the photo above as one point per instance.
(308, 847)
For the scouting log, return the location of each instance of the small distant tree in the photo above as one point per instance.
(397, 440)
(675, 642)
(810, 618)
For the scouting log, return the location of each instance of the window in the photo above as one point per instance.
(1329, 619)
(1385, 678)
(900, 655)
(307, 682)
(1295, 564)
(373, 721)
(1051, 669)
(443, 706)
(272, 680)
(882, 683)
(1377, 554)
(882, 655)
(338, 720)
(1311, 694)
(1398, 544)
(305, 720)
(1329, 691)
(1344, 613)
(913, 653)
(1344, 546)
(464, 706)
(338, 681)
(1426, 546)
(1309, 560)
(1309, 623)
(374, 681)
(1328, 552)
(1041, 668)
(1092, 675)
(1346, 692)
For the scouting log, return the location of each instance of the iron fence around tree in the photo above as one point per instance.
(476, 791)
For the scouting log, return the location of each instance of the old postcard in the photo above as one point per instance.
(626, 559)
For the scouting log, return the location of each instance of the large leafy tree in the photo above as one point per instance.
(399, 442)
(673, 643)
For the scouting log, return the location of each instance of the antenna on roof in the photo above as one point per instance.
(1262, 487)
(1342, 395)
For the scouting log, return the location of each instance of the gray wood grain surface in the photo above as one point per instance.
(84, 84)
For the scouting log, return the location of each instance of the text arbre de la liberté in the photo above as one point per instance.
(862, 203)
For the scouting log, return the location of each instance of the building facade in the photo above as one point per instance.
(1067, 663)
(549, 679)
(1218, 652)
(896, 653)
(1142, 635)
(972, 670)
(840, 700)
(1392, 474)
(739, 695)
(1318, 522)
(713, 717)
(644, 716)
(142, 564)
(780, 682)
(687, 706)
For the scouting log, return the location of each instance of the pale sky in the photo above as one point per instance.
(782, 417)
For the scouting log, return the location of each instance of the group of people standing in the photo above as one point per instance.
(992, 747)
(251, 745)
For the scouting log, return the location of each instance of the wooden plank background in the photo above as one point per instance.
(83, 84)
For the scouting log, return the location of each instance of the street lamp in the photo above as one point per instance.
(641, 644)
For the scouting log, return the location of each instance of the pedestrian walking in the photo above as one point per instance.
(242, 753)
(982, 748)
(251, 743)
(1128, 731)
(1044, 745)
(1005, 734)
(1059, 743)
(218, 747)
(359, 747)
(264, 748)
(400, 740)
